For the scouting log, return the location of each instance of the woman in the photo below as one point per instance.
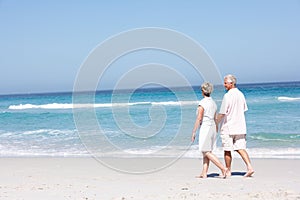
(206, 114)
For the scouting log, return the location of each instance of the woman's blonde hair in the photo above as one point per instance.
(207, 88)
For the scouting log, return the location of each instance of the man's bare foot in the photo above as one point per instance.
(228, 172)
(249, 173)
(202, 176)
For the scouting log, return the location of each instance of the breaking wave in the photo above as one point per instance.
(97, 105)
(288, 98)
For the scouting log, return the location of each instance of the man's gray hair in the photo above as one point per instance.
(207, 88)
(230, 78)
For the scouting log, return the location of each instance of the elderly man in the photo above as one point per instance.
(233, 127)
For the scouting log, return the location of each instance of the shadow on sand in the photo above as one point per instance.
(216, 175)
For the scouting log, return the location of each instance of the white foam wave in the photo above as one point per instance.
(288, 98)
(40, 153)
(96, 105)
(152, 152)
(49, 132)
(44, 106)
(21, 134)
(175, 103)
(283, 153)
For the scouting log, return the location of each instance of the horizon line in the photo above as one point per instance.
(145, 88)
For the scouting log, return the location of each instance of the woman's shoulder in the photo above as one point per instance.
(206, 100)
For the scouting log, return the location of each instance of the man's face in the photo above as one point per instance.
(227, 84)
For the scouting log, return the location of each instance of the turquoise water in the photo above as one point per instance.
(146, 122)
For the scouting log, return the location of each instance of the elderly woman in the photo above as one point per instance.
(206, 114)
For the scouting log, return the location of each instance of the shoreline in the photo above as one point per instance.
(87, 178)
(291, 153)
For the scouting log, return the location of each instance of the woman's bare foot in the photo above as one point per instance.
(224, 173)
(202, 176)
(249, 173)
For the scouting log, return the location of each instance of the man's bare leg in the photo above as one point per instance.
(228, 159)
(243, 153)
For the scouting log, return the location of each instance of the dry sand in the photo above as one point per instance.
(87, 179)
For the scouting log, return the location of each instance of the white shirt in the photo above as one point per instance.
(233, 106)
(210, 109)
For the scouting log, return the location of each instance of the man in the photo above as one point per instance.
(233, 128)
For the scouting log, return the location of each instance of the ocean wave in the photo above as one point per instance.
(282, 153)
(275, 137)
(288, 98)
(49, 132)
(193, 152)
(43, 106)
(151, 152)
(39, 153)
(97, 105)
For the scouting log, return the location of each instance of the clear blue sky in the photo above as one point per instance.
(43, 43)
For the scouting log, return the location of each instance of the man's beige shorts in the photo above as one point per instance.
(233, 142)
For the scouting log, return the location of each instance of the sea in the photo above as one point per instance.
(146, 122)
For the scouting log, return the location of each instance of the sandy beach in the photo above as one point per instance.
(87, 178)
